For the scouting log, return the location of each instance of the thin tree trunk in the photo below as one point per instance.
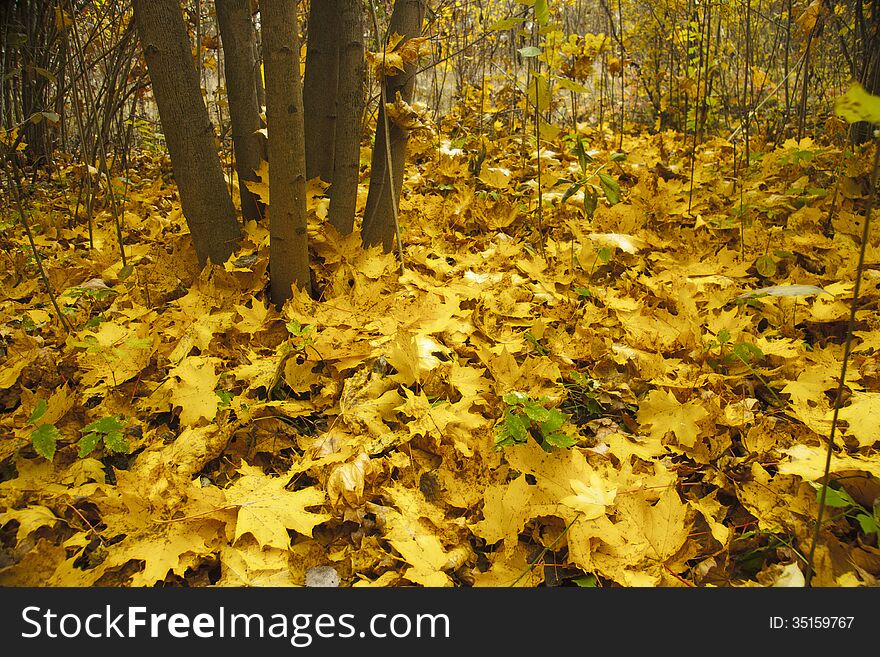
(258, 69)
(237, 34)
(288, 247)
(319, 87)
(868, 40)
(350, 97)
(189, 134)
(382, 197)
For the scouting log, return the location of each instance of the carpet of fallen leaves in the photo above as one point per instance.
(350, 438)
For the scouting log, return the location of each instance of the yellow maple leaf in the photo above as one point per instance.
(345, 485)
(505, 513)
(713, 511)
(266, 509)
(497, 177)
(395, 56)
(809, 463)
(863, 416)
(418, 545)
(652, 533)
(260, 187)
(808, 401)
(251, 318)
(29, 519)
(663, 413)
(195, 390)
(248, 564)
(590, 499)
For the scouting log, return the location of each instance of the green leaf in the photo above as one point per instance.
(515, 397)
(868, 524)
(44, 439)
(104, 425)
(610, 187)
(584, 158)
(515, 427)
(572, 190)
(583, 292)
(555, 419)
(50, 76)
(38, 412)
(115, 441)
(542, 12)
(139, 343)
(766, 266)
(559, 440)
(88, 443)
(13, 73)
(536, 413)
(858, 105)
(591, 200)
(838, 499)
(604, 255)
(225, 397)
(529, 51)
(586, 581)
(16, 39)
(618, 156)
(747, 352)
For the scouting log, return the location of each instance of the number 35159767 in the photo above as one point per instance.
(811, 622)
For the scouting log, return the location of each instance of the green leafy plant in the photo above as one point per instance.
(582, 401)
(524, 417)
(301, 334)
(89, 297)
(45, 435)
(731, 353)
(754, 549)
(607, 184)
(535, 343)
(109, 430)
(837, 498)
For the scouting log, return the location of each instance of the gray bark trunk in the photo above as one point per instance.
(189, 134)
(319, 88)
(237, 35)
(288, 248)
(384, 193)
(350, 97)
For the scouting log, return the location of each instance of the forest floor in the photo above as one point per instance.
(638, 397)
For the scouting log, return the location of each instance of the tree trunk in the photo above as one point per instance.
(237, 35)
(319, 88)
(258, 69)
(189, 134)
(868, 44)
(350, 97)
(288, 247)
(384, 193)
(38, 21)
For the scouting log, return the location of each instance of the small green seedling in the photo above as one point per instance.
(107, 429)
(838, 498)
(45, 436)
(301, 334)
(607, 184)
(524, 417)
